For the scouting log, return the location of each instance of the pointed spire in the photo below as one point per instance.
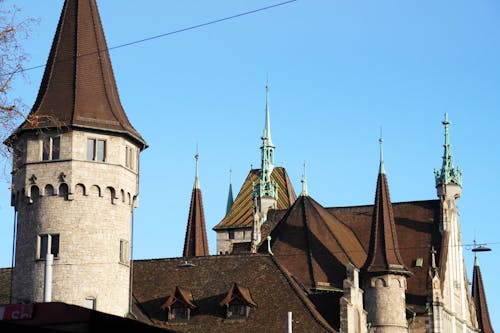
(267, 126)
(230, 199)
(266, 187)
(78, 88)
(304, 183)
(383, 253)
(448, 173)
(479, 297)
(196, 243)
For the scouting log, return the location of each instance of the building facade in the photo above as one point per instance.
(282, 261)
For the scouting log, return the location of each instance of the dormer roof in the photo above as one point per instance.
(238, 293)
(181, 295)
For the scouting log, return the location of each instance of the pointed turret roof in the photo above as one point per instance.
(479, 296)
(230, 199)
(383, 253)
(315, 246)
(196, 243)
(78, 88)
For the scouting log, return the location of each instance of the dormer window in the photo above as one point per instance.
(238, 302)
(179, 305)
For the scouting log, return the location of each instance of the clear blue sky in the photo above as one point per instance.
(338, 70)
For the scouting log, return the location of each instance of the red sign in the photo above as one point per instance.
(16, 311)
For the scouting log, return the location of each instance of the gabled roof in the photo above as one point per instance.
(479, 296)
(314, 246)
(417, 227)
(210, 278)
(241, 212)
(180, 295)
(240, 293)
(195, 242)
(383, 253)
(78, 88)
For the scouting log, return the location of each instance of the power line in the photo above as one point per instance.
(197, 26)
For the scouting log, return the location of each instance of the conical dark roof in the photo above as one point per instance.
(78, 88)
(479, 296)
(195, 243)
(383, 253)
(314, 246)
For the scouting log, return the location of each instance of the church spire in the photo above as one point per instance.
(230, 199)
(78, 88)
(267, 147)
(383, 254)
(448, 173)
(265, 187)
(196, 243)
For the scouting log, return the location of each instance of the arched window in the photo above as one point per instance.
(49, 190)
(63, 190)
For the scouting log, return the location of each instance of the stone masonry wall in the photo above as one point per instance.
(89, 204)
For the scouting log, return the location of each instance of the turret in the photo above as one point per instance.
(75, 178)
(384, 273)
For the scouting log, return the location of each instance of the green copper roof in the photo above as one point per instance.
(448, 173)
(265, 187)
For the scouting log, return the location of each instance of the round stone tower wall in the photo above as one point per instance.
(385, 303)
(83, 204)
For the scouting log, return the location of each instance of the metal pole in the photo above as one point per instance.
(289, 322)
(47, 297)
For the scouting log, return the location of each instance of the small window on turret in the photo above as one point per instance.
(51, 147)
(96, 150)
(46, 242)
(129, 157)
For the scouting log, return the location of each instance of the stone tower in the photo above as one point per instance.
(384, 273)
(454, 311)
(75, 175)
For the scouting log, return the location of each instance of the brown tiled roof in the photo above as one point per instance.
(417, 227)
(238, 292)
(241, 213)
(78, 87)
(195, 242)
(315, 246)
(479, 296)
(5, 276)
(383, 252)
(210, 278)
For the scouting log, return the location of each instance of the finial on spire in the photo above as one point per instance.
(196, 181)
(304, 183)
(381, 142)
(448, 173)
